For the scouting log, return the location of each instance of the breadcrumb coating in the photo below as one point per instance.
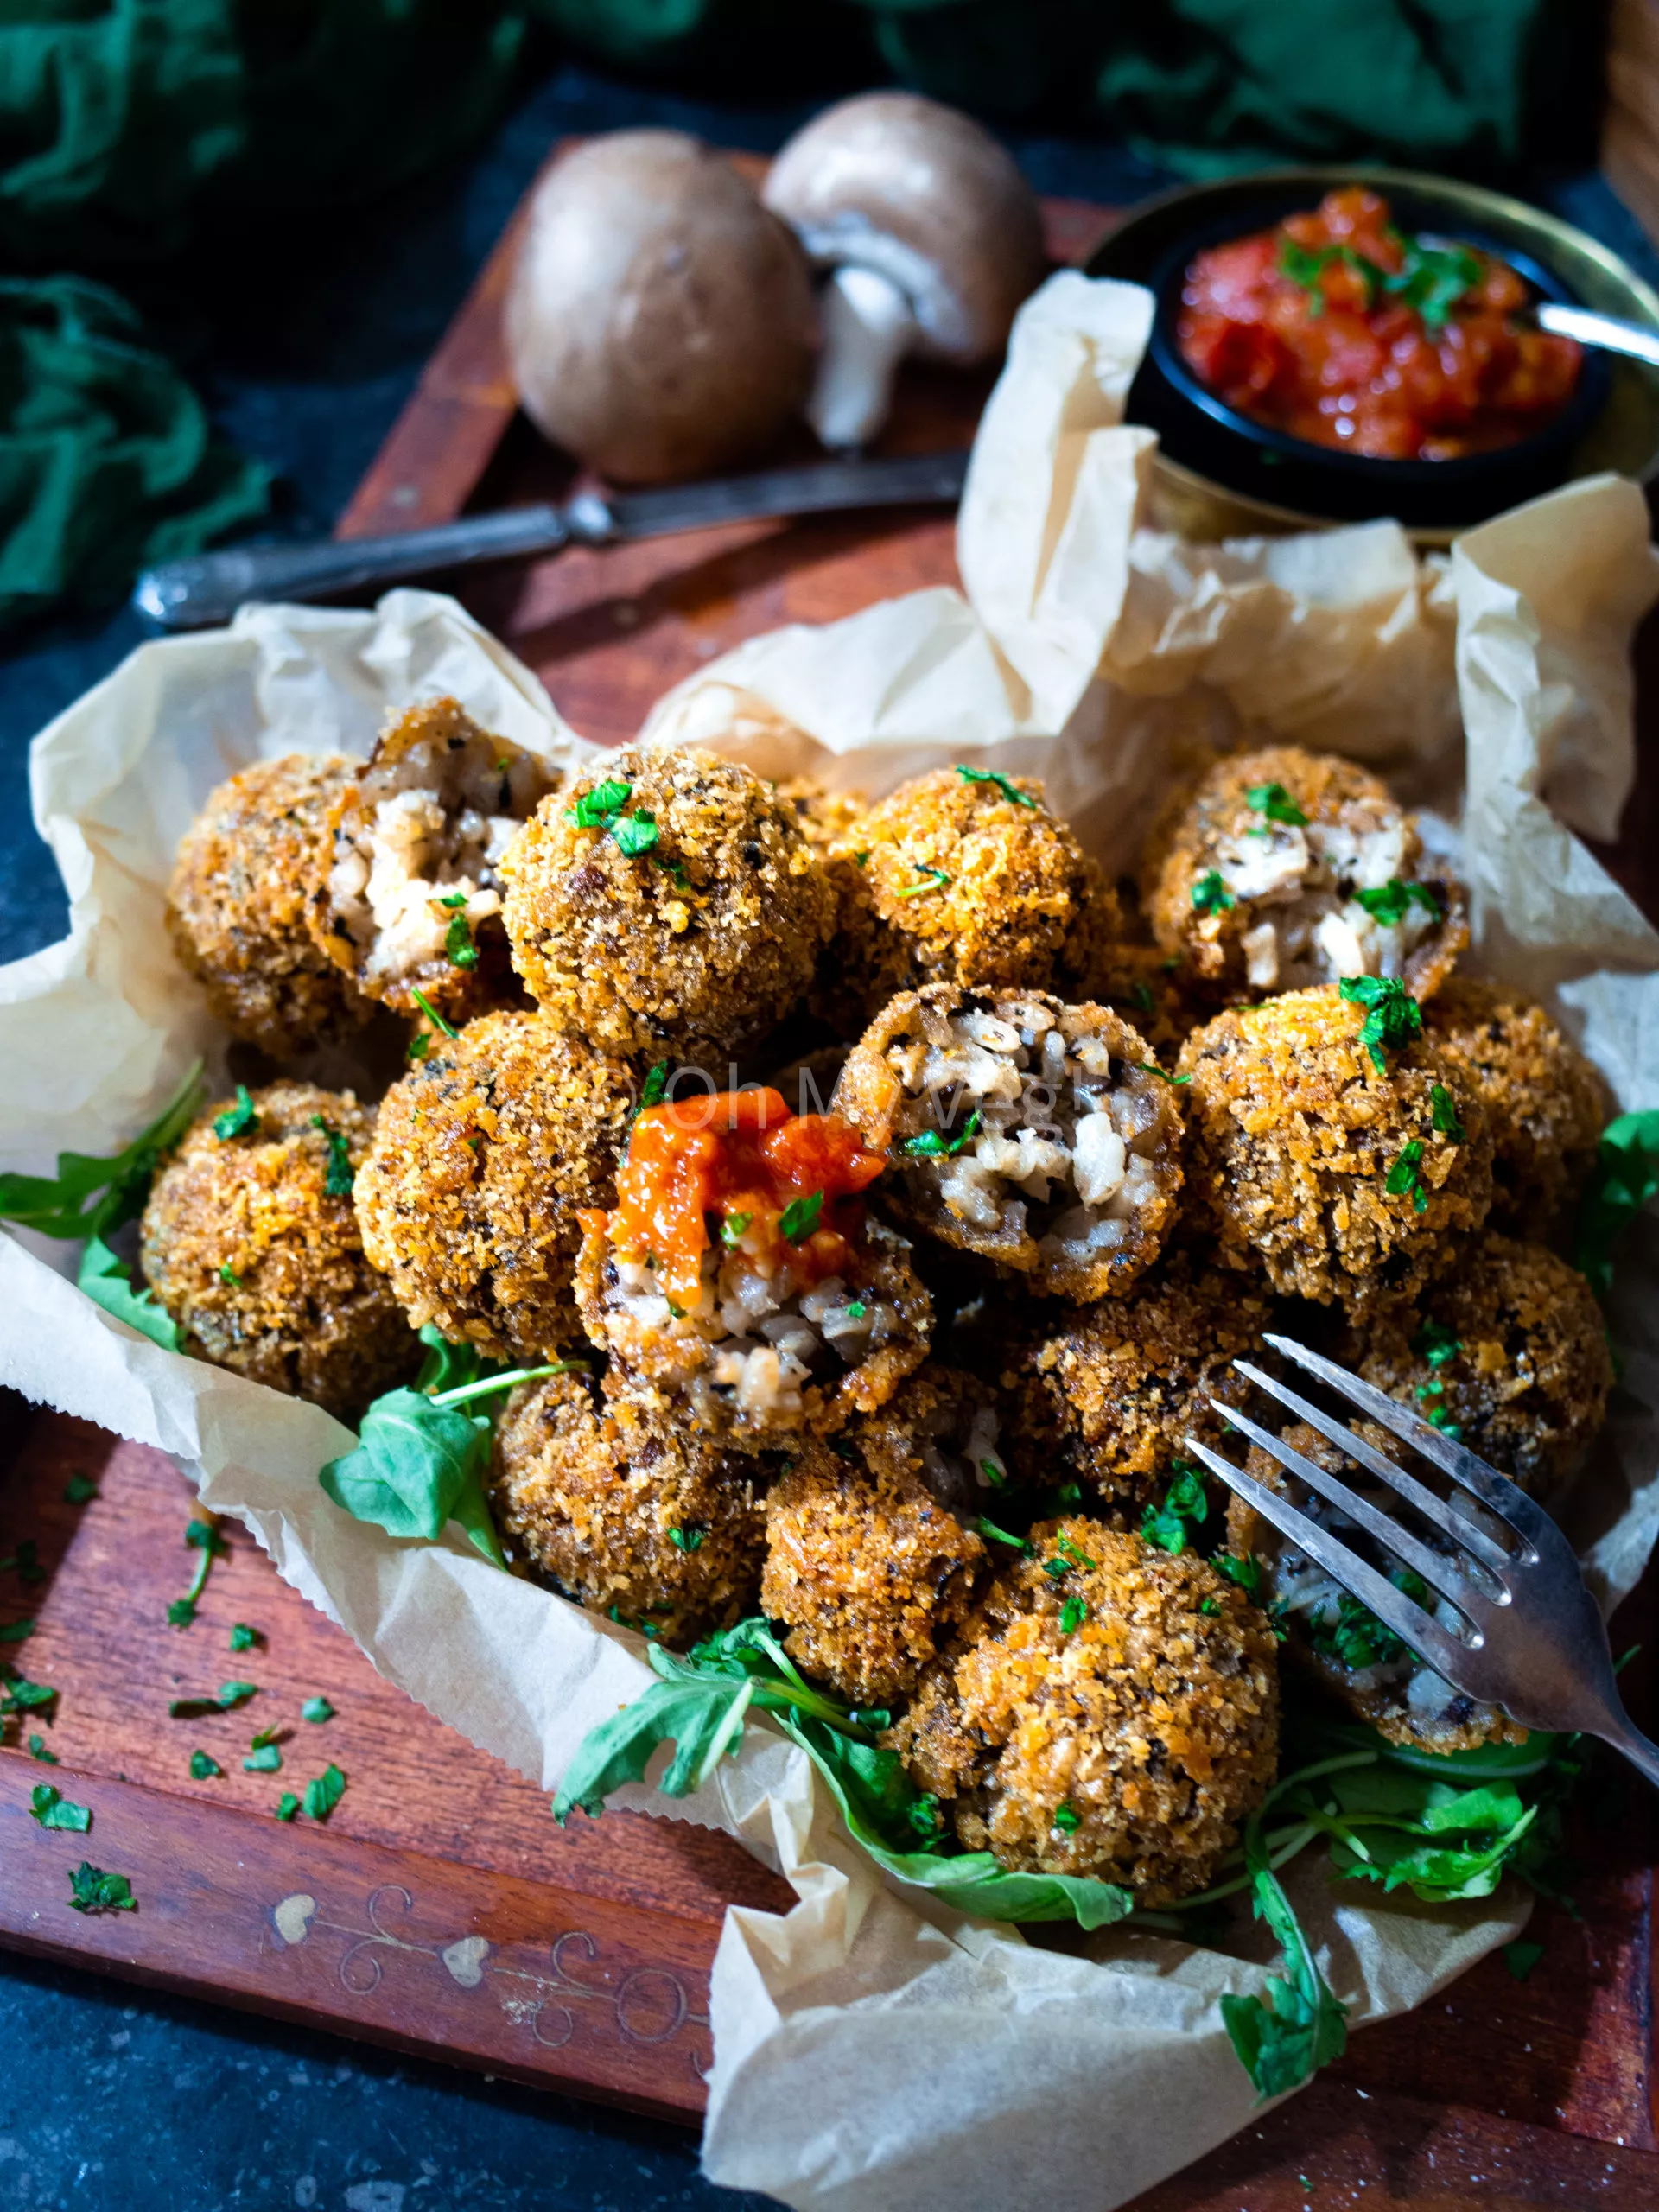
(1326, 1630)
(1100, 1720)
(622, 1506)
(239, 902)
(1294, 1135)
(261, 1264)
(690, 933)
(1509, 1353)
(979, 887)
(866, 1563)
(1286, 869)
(1107, 1395)
(1546, 1103)
(486, 1153)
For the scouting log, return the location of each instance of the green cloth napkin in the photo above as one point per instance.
(106, 459)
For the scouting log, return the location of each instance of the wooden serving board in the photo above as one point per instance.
(440, 1909)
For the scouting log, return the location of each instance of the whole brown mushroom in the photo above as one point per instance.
(931, 237)
(661, 323)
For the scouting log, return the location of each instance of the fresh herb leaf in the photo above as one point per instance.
(1211, 895)
(266, 1759)
(317, 1709)
(48, 1805)
(933, 1144)
(1445, 1114)
(419, 1463)
(1151, 1067)
(1185, 1507)
(1244, 1569)
(933, 879)
(227, 1696)
(1009, 788)
(1141, 996)
(800, 1218)
(1067, 1819)
(228, 1276)
(25, 1562)
(1403, 1180)
(339, 1183)
(1436, 1343)
(432, 1013)
(236, 1121)
(1520, 1958)
(597, 809)
(1393, 1017)
(242, 1639)
(203, 1767)
(108, 1282)
(1625, 1176)
(287, 1805)
(458, 946)
(1073, 1613)
(181, 1612)
(688, 1540)
(992, 1534)
(90, 1197)
(1299, 2027)
(1390, 902)
(856, 1309)
(79, 1490)
(1274, 801)
(635, 834)
(732, 1227)
(93, 1891)
(322, 1792)
(20, 1695)
(1432, 279)
(37, 1750)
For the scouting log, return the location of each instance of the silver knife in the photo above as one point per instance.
(190, 594)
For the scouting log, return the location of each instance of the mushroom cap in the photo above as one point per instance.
(660, 322)
(925, 196)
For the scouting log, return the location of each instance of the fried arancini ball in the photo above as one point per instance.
(1508, 1353)
(867, 1564)
(981, 884)
(1107, 1395)
(1288, 869)
(1033, 1134)
(1117, 1718)
(1546, 1103)
(623, 1506)
(667, 904)
(485, 1155)
(411, 898)
(238, 905)
(1343, 1179)
(1341, 1641)
(250, 1244)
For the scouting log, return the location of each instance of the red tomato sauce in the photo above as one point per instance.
(741, 1153)
(1338, 327)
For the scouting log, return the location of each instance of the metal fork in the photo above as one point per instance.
(1536, 1644)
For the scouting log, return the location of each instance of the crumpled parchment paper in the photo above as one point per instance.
(872, 2050)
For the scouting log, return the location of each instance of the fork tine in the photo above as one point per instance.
(1436, 1569)
(1435, 1510)
(1392, 1607)
(1455, 1459)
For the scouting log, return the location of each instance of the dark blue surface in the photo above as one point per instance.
(125, 2099)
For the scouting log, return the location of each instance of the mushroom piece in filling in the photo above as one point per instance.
(1289, 869)
(738, 1273)
(1039, 1135)
(411, 900)
(1340, 1640)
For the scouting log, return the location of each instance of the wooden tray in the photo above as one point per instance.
(440, 1910)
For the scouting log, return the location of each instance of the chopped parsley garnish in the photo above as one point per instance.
(1208, 1605)
(242, 1639)
(1623, 1178)
(322, 1792)
(211, 1546)
(1185, 1507)
(229, 1277)
(1439, 1417)
(287, 1805)
(1436, 1343)
(989, 1529)
(678, 1312)
(1357, 1639)
(228, 1694)
(48, 1805)
(1151, 1067)
(432, 1013)
(1276, 803)
(17, 1632)
(37, 1750)
(599, 808)
(688, 1540)
(1006, 784)
(79, 1490)
(861, 856)
(1140, 995)
(635, 834)
(1445, 1108)
(1393, 1017)
(266, 1736)
(1391, 901)
(93, 1891)
(856, 1309)
(317, 1709)
(1067, 1819)
(204, 1767)
(996, 1476)
(1211, 895)
(236, 1121)
(933, 1144)
(1433, 279)
(933, 879)
(1305, 265)
(1245, 1569)
(800, 1218)
(266, 1759)
(25, 1562)
(20, 1695)
(1520, 1958)
(458, 946)
(1073, 1613)
(732, 1227)
(339, 1183)
(1403, 1180)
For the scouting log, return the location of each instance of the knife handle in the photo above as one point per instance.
(190, 594)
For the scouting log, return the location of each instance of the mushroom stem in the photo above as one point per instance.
(868, 327)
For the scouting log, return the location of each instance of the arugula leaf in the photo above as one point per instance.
(317, 1709)
(93, 1891)
(1185, 1507)
(322, 1792)
(90, 1196)
(108, 1282)
(48, 1805)
(1006, 784)
(417, 1464)
(703, 1720)
(1625, 1176)
(1301, 2026)
(236, 1121)
(1393, 1017)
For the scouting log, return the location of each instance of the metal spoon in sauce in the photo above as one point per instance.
(1609, 332)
